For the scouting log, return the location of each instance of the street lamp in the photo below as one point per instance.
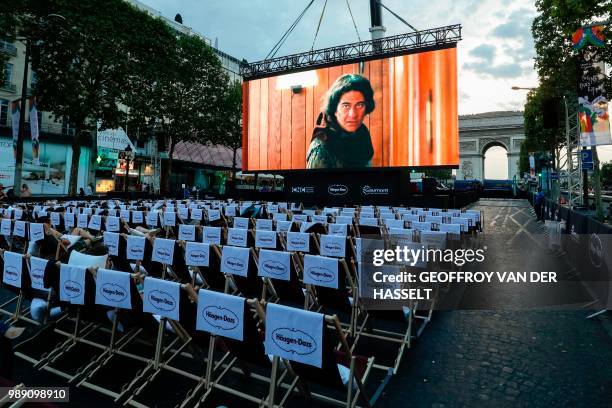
(24, 90)
(128, 156)
(518, 88)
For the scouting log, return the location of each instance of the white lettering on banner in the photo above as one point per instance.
(265, 239)
(13, 266)
(212, 235)
(321, 271)
(111, 241)
(333, 245)
(37, 232)
(197, 254)
(113, 289)
(237, 237)
(274, 264)
(294, 334)
(37, 272)
(220, 314)
(135, 247)
(298, 242)
(163, 250)
(235, 260)
(114, 139)
(72, 284)
(161, 297)
(187, 232)
(367, 190)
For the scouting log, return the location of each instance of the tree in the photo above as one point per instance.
(191, 99)
(84, 66)
(606, 174)
(231, 135)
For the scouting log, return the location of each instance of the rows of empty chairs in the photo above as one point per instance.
(217, 293)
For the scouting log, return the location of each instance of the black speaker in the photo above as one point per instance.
(551, 112)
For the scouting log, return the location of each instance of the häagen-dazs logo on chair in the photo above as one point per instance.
(198, 256)
(162, 300)
(163, 253)
(72, 289)
(333, 247)
(321, 274)
(337, 189)
(220, 317)
(294, 341)
(235, 264)
(113, 292)
(595, 250)
(11, 274)
(274, 267)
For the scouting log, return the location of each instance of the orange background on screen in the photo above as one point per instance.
(404, 130)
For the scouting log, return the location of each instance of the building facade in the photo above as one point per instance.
(49, 175)
(479, 132)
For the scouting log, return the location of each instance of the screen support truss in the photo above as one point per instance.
(571, 159)
(419, 41)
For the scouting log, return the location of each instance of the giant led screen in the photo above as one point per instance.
(391, 112)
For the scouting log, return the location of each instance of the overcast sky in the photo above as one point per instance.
(496, 51)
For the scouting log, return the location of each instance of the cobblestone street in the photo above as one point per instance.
(542, 357)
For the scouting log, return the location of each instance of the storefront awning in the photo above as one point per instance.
(215, 155)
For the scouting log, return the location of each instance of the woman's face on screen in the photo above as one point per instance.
(351, 111)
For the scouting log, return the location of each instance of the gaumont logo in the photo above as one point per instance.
(367, 190)
(162, 300)
(321, 274)
(274, 267)
(302, 189)
(113, 292)
(201, 256)
(294, 341)
(10, 273)
(235, 263)
(337, 189)
(220, 317)
(72, 288)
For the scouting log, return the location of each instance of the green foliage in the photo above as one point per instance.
(606, 174)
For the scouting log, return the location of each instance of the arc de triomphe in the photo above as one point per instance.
(479, 132)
